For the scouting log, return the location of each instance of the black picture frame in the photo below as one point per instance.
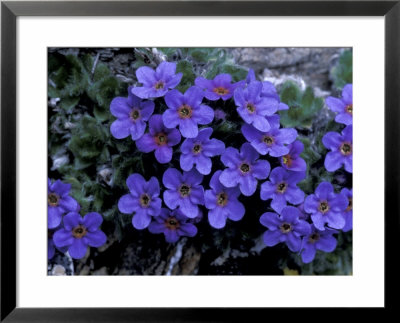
(10, 10)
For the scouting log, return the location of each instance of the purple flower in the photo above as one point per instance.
(222, 203)
(59, 202)
(79, 233)
(219, 115)
(143, 200)
(186, 111)
(184, 191)
(243, 169)
(131, 113)
(326, 207)
(286, 228)
(50, 245)
(253, 108)
(304, 215)
(317, 240)
(218, 88)
(156, 83)
(341, 150)
(251, 76)
(272, 142)
(348, 213)
(268, 90)
(282, 187)
(292, 160)
(198, 151)
(160, 139)
(173, 224)
(344, 106)
(197, 219)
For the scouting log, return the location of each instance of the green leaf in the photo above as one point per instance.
(238, 73)
(310, 153)
(204, 55)
(87, 62)
(303, 106)
(307, 99)
(75, 184)
(104, 156)
(123, 166)
(212, 72)
(124, 145)
(290, 94)
(227, 127)
(99, 194)
(52, 92)
(188, 77)
(77, 79)
(342, 73)
(101, 114)
(110, 214)
(80, 197)
(103, 91)
(101, 72)
(69, 103)
(80, 164)
(88, 142)
(168, 51)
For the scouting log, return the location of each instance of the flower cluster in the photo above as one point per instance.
(67, 230)
(188, 160)
(340, 145)
(171, 204)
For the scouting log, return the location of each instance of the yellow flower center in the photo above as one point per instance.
(172, 223)
(350, 206)
(287, 160)
(244, 168)
(250, 107)
(197, 149)
(159, 85)
(184, 190)
(53, 199)
(134, 114)
(314, 237)
(79, 231)
(145, 200)
(346, 148)
(281, 188)
(221, 90)
(324, 207)
(185, 111)
(286, 228)
(161, 139)
(268, 140)
(222, 199)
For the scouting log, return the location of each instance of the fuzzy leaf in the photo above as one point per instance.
(87, 142)
(188, 77)
(69, 103)
(303, 106)
(122, 168)
(310, 153)
(101, 114)
(238, 73)
(342, 73)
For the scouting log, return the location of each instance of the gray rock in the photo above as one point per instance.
(311, 64)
